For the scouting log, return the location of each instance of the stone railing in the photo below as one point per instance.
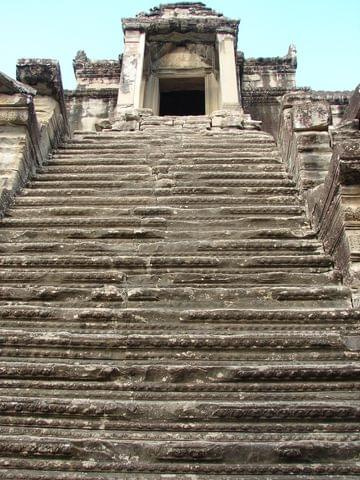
(324, 161)
(33, 121)
(303, 139)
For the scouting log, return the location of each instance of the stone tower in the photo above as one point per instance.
(181, 59)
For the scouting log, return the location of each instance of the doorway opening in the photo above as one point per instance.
(182, 96)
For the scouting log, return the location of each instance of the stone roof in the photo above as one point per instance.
(10, 86)
(181, 17)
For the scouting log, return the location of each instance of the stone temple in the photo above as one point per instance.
(180, 263)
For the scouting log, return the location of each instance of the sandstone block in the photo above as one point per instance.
(311, 116)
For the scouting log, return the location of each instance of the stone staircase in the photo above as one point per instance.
(168, 313)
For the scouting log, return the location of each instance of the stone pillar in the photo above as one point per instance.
(129, 96)
(229, 94)
(152, 94)
(211, 94)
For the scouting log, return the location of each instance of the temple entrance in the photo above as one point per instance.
(182, 96)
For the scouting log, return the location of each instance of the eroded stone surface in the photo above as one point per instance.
(167, 311)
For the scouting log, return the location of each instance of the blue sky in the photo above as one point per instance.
(325, 32)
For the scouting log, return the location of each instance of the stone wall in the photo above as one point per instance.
(335, 205)
(87, 109)
(94, 99)
(303, 138)
(263, 82)
(324, 161)
(33, 121)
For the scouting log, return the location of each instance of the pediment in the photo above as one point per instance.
(181, 58)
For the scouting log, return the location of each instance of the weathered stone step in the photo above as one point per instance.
(169, 355)
(266, 164)
(251, 432)
(35, 474)
(262, 296)
(135, 261)
(204, 247)
(144, 234)
(222, 196)
(244, 222)
(107, 212)
(189, 177)
(44, 470)
(175, 455)
(159, 321)
(109, 343)
(153, 139)
(151, 392)
(181, 143)
(173, 412)
(183, 191)
(237, 223)
(131, 178)
(249, 200)
(169, 157)
(136, 138)
(72, 277)
(137, 169)
(235, 156)
(213, 170)
(75, 197)
(112, 346)
(103, 176)
(184, 377)
(170, 167)
(216, 316)
(112, 222)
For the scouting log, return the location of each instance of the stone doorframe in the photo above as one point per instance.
(151, 87)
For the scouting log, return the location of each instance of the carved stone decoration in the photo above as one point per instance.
(45, 76)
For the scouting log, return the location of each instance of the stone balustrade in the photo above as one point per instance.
(324, 161)
(33, 121)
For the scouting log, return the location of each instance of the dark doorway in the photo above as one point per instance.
(182, 96)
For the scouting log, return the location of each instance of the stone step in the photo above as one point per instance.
(45, 474)
(138, 168)
(250, 432)
(163, 318)
(243, 200)
(266, 164)
(263, 296)
(114, 175)
(183, 377)
(98, 277)
(172, 454)
(147, 262)
(112, 222)
(204, 247)
(176, 414)
(203, 193)
(244, 222)
(167, 312)
(77, 197)
(134, 348)
(153, 139)
(181, 143)
(177, 213)
(170, 157)
(214, 170)
(43, 234)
